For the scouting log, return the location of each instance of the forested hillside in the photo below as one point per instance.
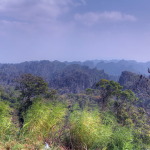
(74, 77)
(72, 107)
(54, 71)
(61, 76)
(35, 117)
(139, 84)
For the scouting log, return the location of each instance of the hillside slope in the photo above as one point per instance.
(139, 84)
(65, 77)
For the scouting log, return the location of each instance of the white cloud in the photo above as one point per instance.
(33, 10)
(35, 15)
(36, 10)
(91, 18)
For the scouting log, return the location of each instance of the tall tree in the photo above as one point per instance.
(109, 89)
(31, 86)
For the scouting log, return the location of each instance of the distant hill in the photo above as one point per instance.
(139, 84)
(72, 76)
(65, 77)
(116, 67)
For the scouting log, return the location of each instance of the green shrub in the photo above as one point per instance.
(141, 139)
(122, 139)
(108, 118)
(87, 130)
(43, 120)
(6, 125)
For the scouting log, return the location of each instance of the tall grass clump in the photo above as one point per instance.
(6, 126)
(44, 121)
(87, 131)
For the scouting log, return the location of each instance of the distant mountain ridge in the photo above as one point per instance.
(116, 67)
(75, 77)
(65, 77)
(111, 67)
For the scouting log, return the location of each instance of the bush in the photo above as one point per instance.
(122, 139)
(6, 126)
(87, 131)
(43, 121)
(141, 138)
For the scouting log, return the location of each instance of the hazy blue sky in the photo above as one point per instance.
(74, 30)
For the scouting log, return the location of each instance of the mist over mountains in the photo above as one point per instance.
(116, 67)
(64, 74)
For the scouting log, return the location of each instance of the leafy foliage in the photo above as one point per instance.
(31, 85)
(43, 120)
(73, 121)
(7, 128)
(87, 131)
(122, 139)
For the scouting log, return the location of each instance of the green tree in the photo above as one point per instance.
(31, 86)
(109, 89)
(124, 105)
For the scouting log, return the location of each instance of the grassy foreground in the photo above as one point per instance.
(68, 128)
